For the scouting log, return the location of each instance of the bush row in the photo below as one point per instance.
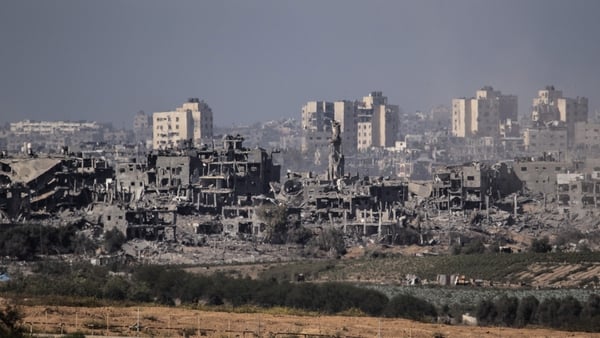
(171, 285)
(24, 242)
(566, 313)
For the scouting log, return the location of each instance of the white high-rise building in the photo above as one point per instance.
(192, 123)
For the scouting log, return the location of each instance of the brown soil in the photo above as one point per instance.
(559, 275)
(178, 322)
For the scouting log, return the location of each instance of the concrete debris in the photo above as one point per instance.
(218, 204)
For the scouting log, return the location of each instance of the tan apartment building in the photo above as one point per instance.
(364, 132)
(316, 125)
(193, 121)
(586, 135)
(378, 122)
(482, 115)
(385, 125)
(550, 105)
(551, 138)
(371, 122)
(346, 113)
(461, 117)
(317, 115)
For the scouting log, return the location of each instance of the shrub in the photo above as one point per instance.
(25, 241)
(592, 306)
(406, 236)
(547, 312)
(470, 246)
(507, 310)
(331, 239)
(526, 311)
(486, 312)
(116, 288)
(568, 312)
(475, 246)
(590, 314)
(274, 217)
(407, 306)
(541, 245)
(113, 240)
(299, 235)
(10, 322)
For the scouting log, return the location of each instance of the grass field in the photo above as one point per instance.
(500, 268)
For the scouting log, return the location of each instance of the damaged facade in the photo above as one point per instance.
(43, 185)
(225, 189)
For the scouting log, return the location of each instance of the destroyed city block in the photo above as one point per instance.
(187, 194)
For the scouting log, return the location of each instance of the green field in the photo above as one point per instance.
(492, 266)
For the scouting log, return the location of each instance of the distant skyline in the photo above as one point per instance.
(262, 60)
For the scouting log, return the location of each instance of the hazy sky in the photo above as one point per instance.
(258, 60)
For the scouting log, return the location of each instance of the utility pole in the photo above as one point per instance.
(515, 206)
(487, 207)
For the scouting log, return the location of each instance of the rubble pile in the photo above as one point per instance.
(218, 205)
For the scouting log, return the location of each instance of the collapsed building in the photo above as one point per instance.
(473, 185)
(578, 191)
(32, 186)
(218, 182)
(151, 224)
(230, 189)
(210, 177)
(363, 206)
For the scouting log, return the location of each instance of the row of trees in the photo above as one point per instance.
(24, 242)
(566, 313)
(170, 285)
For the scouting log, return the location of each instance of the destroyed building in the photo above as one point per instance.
(462, 187)
(222, 182)
(227, 188)
(131, 180)
(364, 205)
(539, 174)
(152, 224)
(47, 184)
(233, 174)
(578, 191)
(173, 173)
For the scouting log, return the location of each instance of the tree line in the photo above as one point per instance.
(567, 313)
(27, 241)
(173, 285)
